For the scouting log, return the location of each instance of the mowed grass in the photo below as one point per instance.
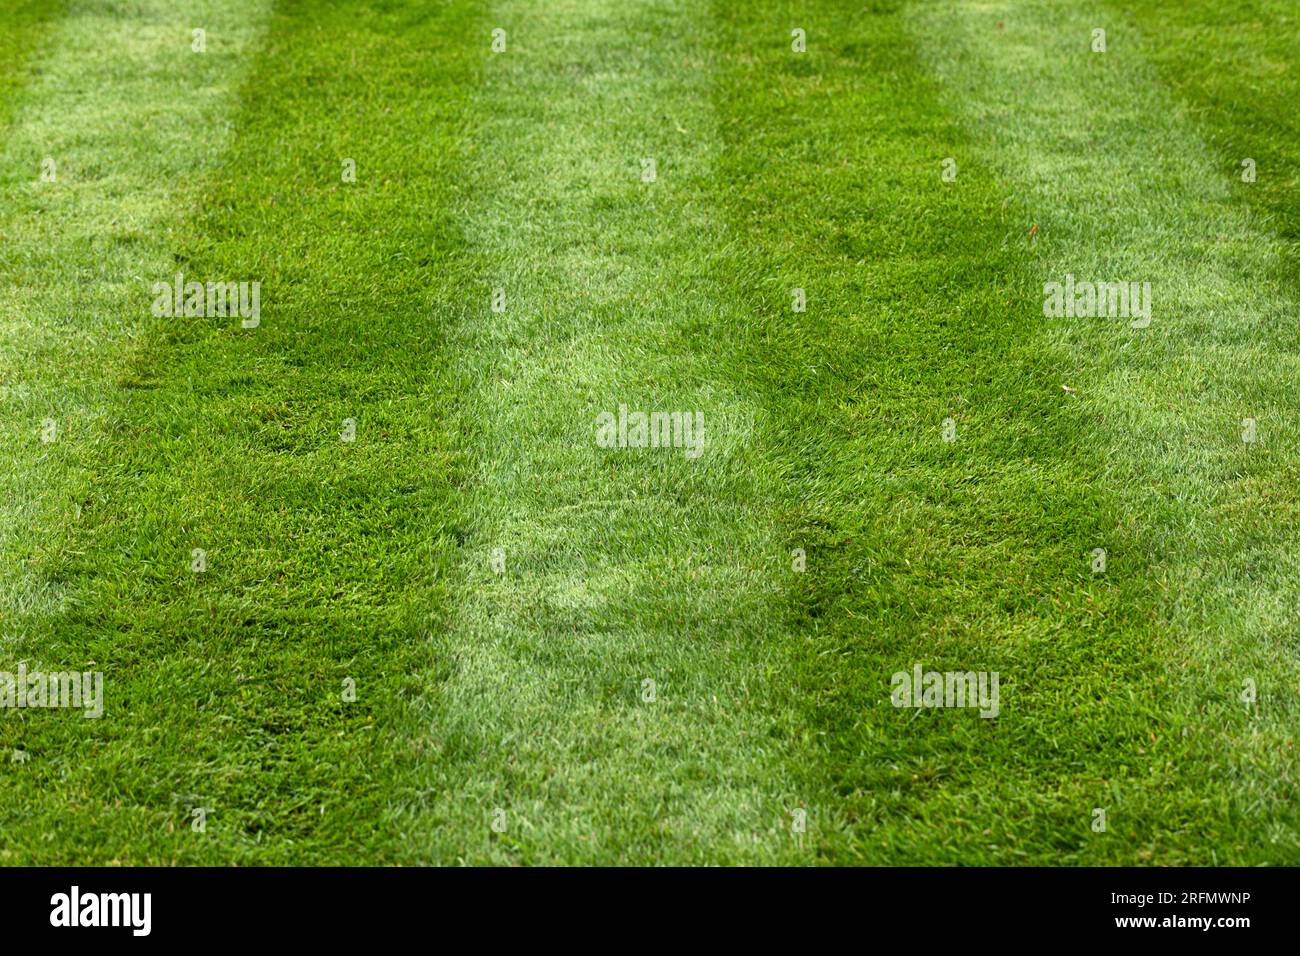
(1213, 510)
(609, 692)
(25, 26)
(508, 717)
(322, 556)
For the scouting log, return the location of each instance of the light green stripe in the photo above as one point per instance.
(622, 565)
(131, 117)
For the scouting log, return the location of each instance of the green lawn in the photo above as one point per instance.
(684, 659)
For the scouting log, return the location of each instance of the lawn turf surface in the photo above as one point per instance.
(507, 717)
